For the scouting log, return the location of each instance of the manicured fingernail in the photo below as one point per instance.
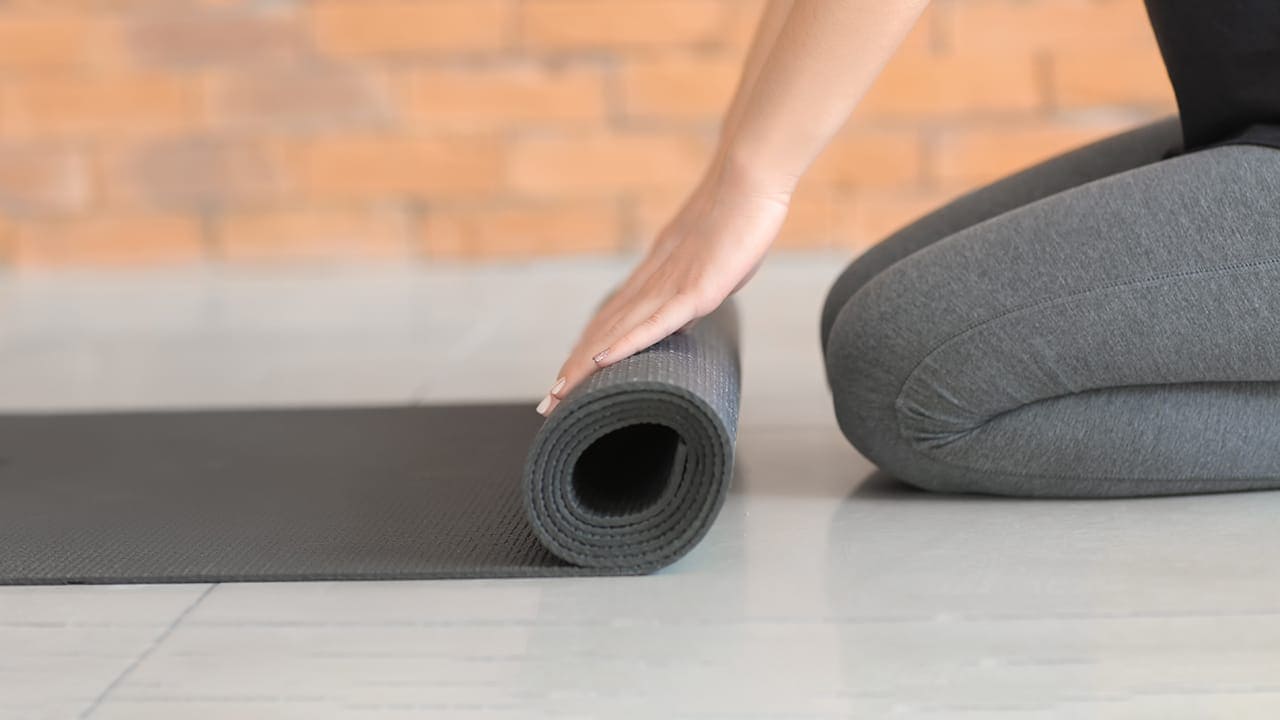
(555, 389)
(544, 405)
(599, 358)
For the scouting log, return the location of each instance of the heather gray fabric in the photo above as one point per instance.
(625, 478)
(1113, 155)
(1107, 332)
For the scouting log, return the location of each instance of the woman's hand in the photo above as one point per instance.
(709, 250)
(809, 63)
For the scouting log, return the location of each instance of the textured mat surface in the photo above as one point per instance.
(626, 477)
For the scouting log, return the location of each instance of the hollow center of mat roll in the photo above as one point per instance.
(626, 470)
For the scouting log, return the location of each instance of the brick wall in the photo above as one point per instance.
(161, 131)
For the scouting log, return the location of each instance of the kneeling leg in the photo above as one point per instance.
(1120, 338)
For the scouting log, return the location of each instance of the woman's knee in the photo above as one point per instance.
(855, 275)
(865, 268)
(868, 353)
(900, 418)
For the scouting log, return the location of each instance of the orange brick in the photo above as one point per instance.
(679, 86)
(648, 214)
(1084, 79)
(102, 105)
(43, 41)
(6, 239)
(744, 18)
(400, 27)
(869, 158)
(808, 225)
(926, 36)
(189, 36)
(109, 240)
(313, 234)
(375, 168)
(613, 24)
(522, 230)
(110, 5)
(1008, 27)
(313, 130)
(299, 98)
(505, 97)
(604, 164)
(874, 215)
(919, 86)
(983, 154)
(200, 173)
(37, 180)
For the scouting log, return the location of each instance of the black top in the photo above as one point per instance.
(1223, 57)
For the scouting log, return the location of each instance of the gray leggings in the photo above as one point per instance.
(1104, 324)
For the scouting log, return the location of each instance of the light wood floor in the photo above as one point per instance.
(824, 590)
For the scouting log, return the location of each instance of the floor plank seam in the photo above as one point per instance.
(124, 674)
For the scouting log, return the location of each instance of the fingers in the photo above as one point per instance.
(667, 319)
(608, 313)
(572, 373)
(581, 361)
(639, 329)
(553, 396)
(692, 269)
(636, 302)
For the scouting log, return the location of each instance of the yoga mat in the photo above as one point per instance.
(625, 477)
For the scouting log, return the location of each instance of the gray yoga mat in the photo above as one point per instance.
(625, 478)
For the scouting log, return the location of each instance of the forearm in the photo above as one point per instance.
(825, 56)
(809, 64)
(767, 28)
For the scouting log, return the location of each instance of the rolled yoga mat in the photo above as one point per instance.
(625, 477)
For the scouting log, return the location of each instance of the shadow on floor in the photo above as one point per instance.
(880, 484)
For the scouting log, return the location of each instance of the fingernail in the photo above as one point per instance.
(599, 358)
(544, 405)
(555, 389)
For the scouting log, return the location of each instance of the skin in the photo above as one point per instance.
(809, 64)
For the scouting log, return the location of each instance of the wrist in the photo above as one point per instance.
(741, 173)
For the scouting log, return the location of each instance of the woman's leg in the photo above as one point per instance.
(1120, 338)
(1125, 151)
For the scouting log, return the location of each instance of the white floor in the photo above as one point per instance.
(824, 590)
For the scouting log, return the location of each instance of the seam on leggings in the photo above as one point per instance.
(1157, 278)
(1124, 478)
